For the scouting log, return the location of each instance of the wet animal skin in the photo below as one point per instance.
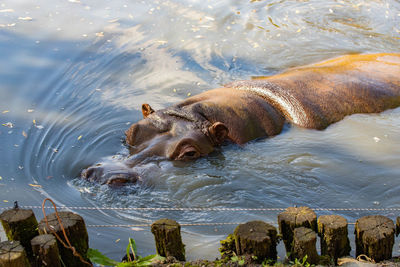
(312, 96)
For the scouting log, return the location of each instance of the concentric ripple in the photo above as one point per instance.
(74, 75)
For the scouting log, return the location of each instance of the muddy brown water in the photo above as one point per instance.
(74, 74)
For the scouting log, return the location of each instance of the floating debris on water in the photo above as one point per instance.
(25, 18)
(36, 125)
(35, 185)
(8, 124)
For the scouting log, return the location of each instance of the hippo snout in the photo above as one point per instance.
(111, 176)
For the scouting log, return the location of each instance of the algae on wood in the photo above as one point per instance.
(292, 218)
(167, 235)
(228, 247)
(12, 254)
(375, 237)
(304, 244)
(76, 232)
(332, 230)
(256, 238)
(20, 225)
(45, 251)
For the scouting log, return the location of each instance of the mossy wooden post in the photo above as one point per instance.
(256, 238)
(304, 244)
(12, 254)
(167, 235)
(75, 229)
(332, 230)
(375, 237)
(397, 226)
(20, 225)
(292, 218)
(45, 251)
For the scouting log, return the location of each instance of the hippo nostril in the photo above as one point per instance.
(110, 174)
(86, 173)
(92, 173)
(122, 178)
(117, 181)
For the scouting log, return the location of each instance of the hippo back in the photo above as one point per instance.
(318, 95)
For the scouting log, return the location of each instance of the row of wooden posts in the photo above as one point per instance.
(34, 244)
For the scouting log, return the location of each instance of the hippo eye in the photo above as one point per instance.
(188, 153)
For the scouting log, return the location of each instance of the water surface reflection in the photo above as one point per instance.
(74, 73)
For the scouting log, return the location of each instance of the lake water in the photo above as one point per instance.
(73, 76)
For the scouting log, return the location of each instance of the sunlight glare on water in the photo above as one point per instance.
(74, 74)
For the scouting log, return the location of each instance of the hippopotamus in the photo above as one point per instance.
(312, 96)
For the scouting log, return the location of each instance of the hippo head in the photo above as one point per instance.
(176, 133)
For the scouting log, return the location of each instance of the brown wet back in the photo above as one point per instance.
(318, 95)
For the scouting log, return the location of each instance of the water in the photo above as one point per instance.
(74, 74)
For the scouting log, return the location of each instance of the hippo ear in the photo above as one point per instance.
(146, 110)
(218, 132)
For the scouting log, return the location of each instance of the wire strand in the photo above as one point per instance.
(199, 208)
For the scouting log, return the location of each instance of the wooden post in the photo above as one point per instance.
(375, 237)
(167, 235)
(397, 226)
(304, 241)
(256, 238)
(20, 225)
(12, 254)
(45, 251)
(76, 232)
(292, 218)
(332, 230)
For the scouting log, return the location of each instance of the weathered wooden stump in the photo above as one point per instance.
(304, 241)
(76, 232)
(45, 251)
(375, 237)
(12, 254)
(167, 235)
(397, 226)
(334, 236)
(256, 238)
(292, 218)
(20, 225)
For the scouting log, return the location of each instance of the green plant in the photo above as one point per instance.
(96, 256)
(239, 260)
(268, 262)
(301, 263)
